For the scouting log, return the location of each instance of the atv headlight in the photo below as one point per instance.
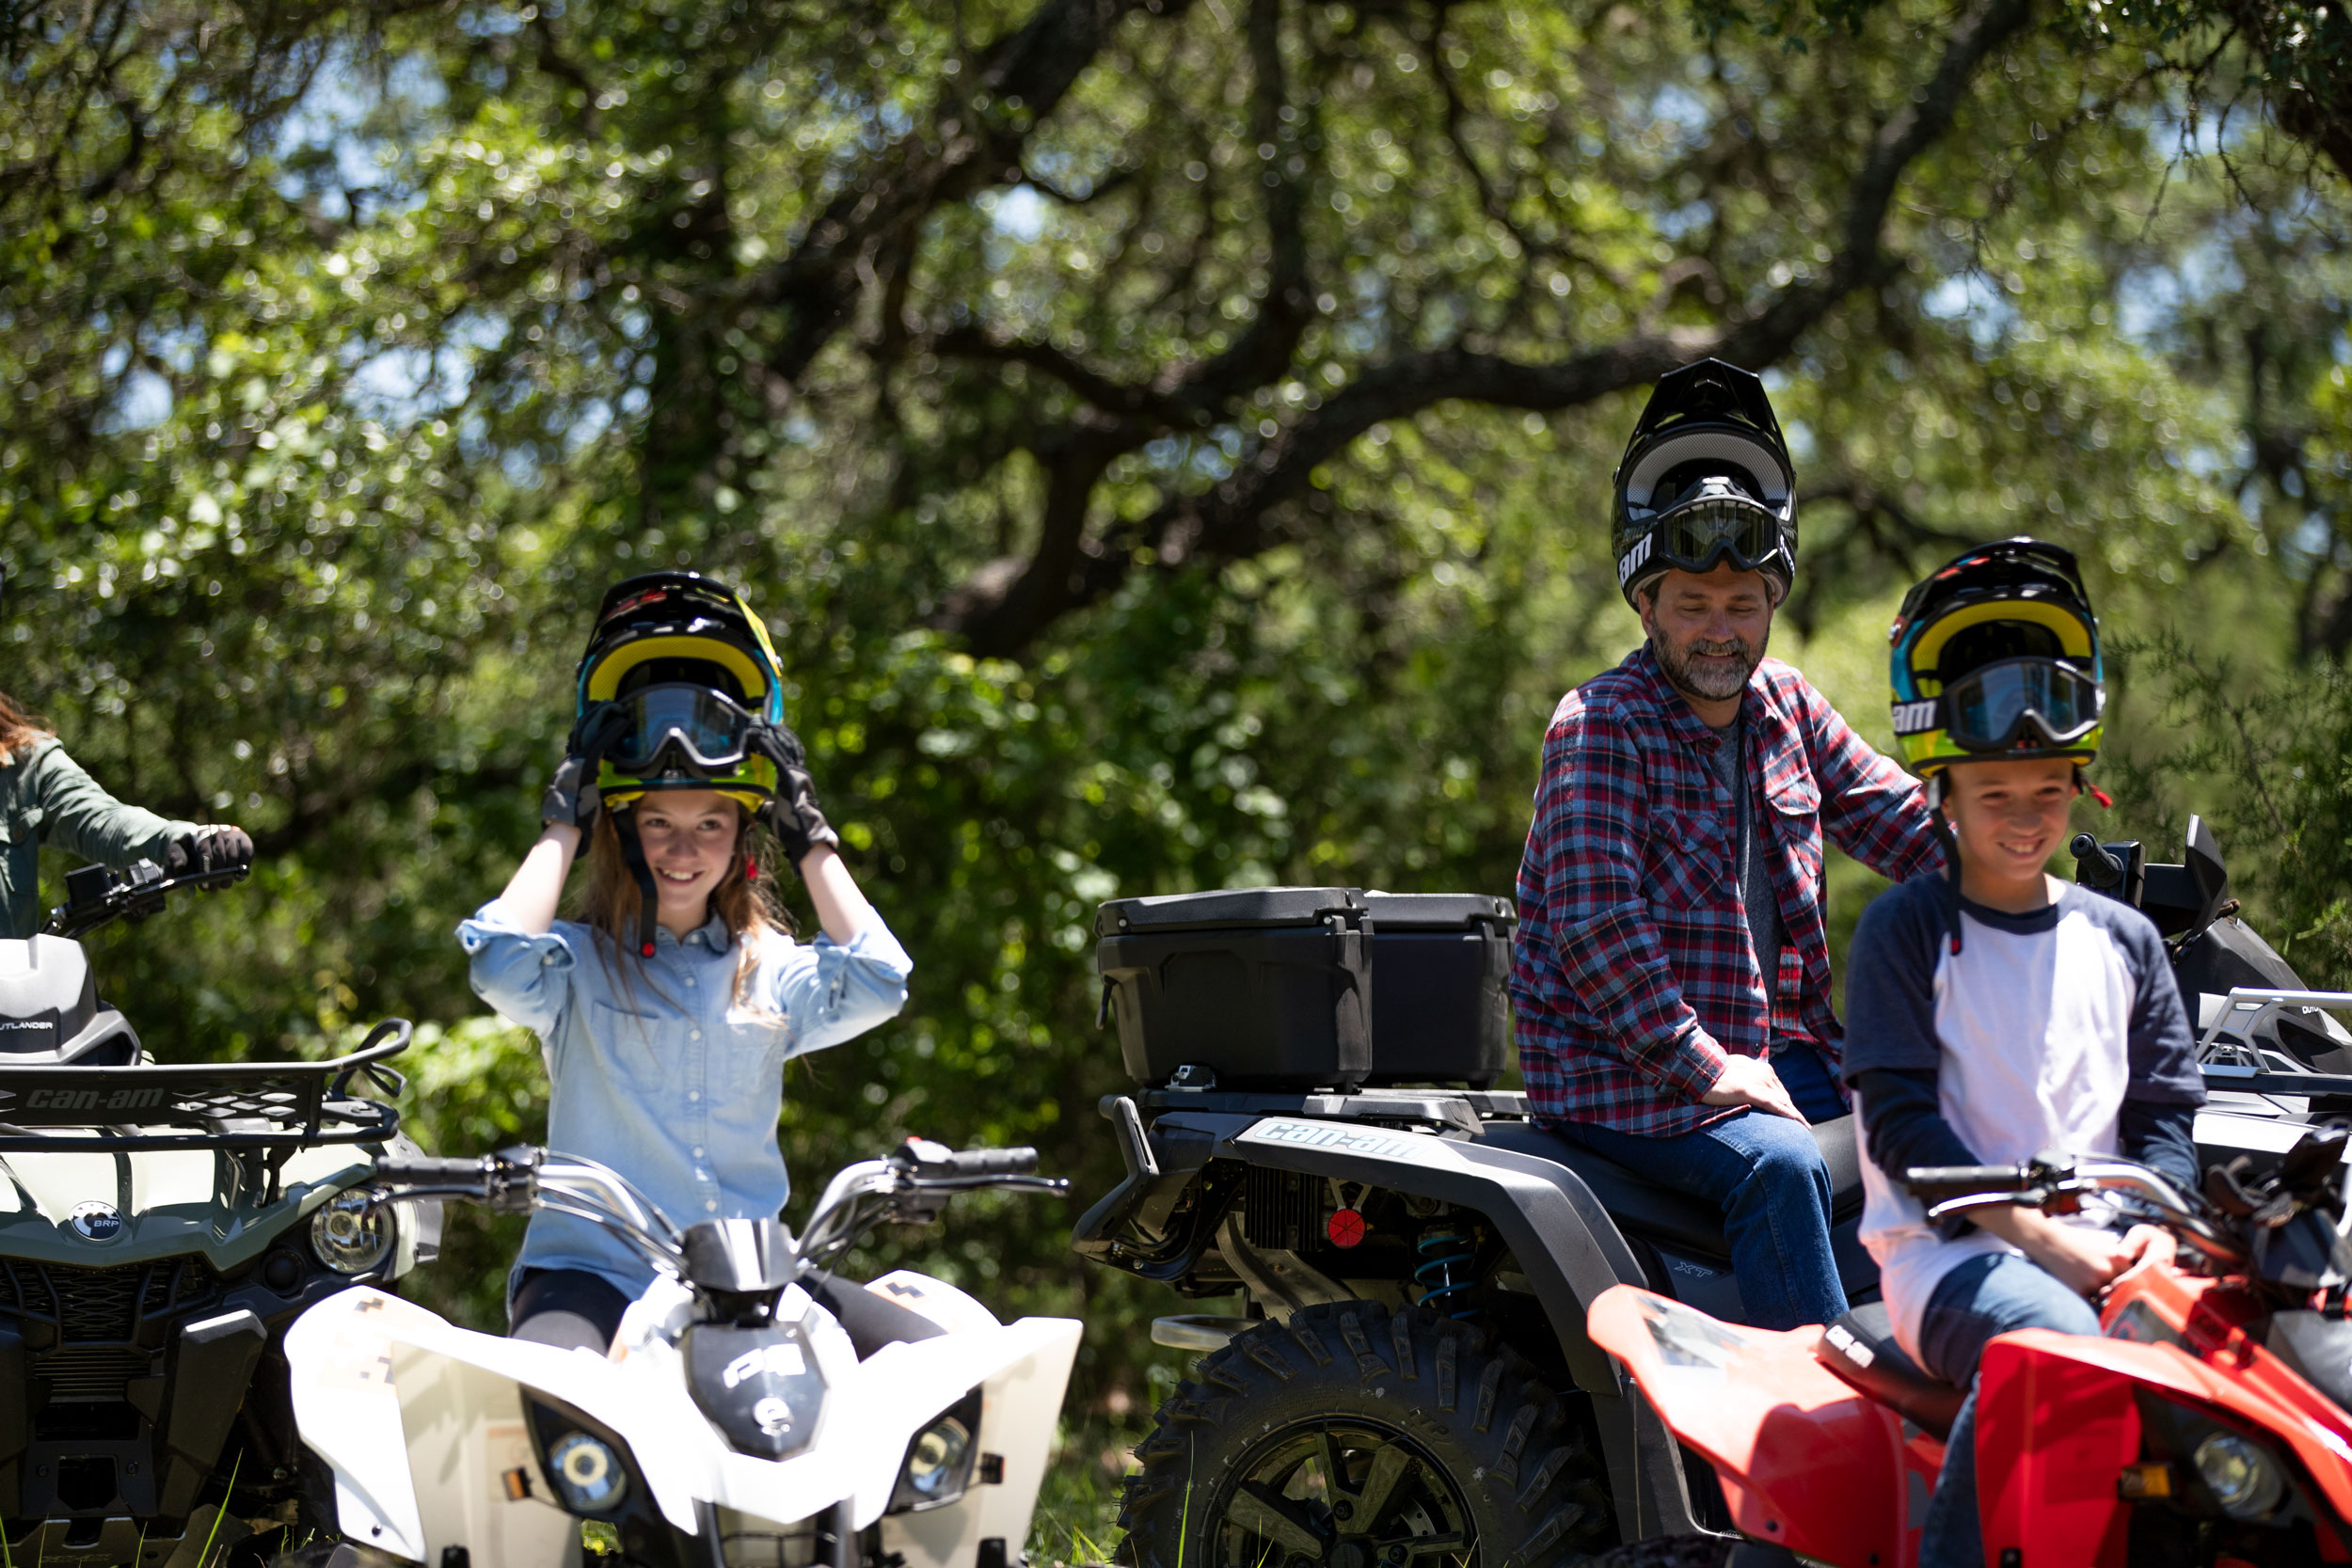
(587, 1473)
(938, 1466)
(2243, 1480)
(350, 1236)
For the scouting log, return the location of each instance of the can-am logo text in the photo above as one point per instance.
(92, 1099)
(1320, 1136)
(1911, 718)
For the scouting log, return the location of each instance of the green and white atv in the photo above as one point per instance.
(160, 1226)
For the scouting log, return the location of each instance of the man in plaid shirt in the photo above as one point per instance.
(1672, 972)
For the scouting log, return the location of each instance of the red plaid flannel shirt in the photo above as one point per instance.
(1635, 972)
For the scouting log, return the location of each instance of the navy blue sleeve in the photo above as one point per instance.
(1890, 982)
(1904, 1122)
(2162, 1047)
(2164, 1137)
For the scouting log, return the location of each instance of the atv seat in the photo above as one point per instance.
(1664, 1214)
(1860, 1348)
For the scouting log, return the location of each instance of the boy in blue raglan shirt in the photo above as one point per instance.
(2006, 1012)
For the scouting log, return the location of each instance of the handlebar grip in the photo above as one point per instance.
(2093, 865)
(993, 1162)
(426, 1171)
(1933, 1185)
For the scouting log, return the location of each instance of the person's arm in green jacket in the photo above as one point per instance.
(78, 816)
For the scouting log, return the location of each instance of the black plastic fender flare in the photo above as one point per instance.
(1564, 1241)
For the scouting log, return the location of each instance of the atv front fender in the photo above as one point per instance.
(1564, 1241)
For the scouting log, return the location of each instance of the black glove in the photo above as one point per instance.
(220, 847)
(572, 795)
(793, 815)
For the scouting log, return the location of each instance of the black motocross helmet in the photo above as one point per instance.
(1705, 478)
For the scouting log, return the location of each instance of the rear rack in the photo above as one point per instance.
(1464, 1109)
(265, 1109)
(2231, 1058)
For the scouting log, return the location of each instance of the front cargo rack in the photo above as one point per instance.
(270, 1109)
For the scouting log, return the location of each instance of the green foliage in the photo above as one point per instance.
(2267, 760)
(1171, 449)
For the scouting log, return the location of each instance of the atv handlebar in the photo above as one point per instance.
(909, 1187)
(929, 1161)
(96, 896)
(424, 1171)
(2095, 865)
(1939, 1185)
(2057, 1184)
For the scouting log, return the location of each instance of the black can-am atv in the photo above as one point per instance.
(160, 1226)
(1409, 1379)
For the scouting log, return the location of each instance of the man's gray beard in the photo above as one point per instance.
(1676, 664)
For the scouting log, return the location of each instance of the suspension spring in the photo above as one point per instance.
(1445, 1253)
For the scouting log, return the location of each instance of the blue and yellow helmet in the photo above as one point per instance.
(1996, 656)
(692, 668)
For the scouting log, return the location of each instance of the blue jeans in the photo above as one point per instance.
(1985, 1297)
(1765, 1172)
(1807, 1077)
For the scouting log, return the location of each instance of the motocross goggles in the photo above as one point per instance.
(1989, 708)
(1703, 534)
(707, 729)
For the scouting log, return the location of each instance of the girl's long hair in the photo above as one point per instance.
(19, 729)
(748, 906)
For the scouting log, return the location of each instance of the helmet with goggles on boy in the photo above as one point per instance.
(1995, 658)
(1704, 479)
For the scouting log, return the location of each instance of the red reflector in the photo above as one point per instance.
(1345, 1227)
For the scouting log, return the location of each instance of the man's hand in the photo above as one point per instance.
(1750, 1081)
(2081, 1259)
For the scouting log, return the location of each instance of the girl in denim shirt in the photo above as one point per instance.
(665, 1041)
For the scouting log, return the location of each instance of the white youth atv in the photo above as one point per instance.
(730, 1424)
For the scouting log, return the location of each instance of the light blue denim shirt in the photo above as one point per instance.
(661, 1077)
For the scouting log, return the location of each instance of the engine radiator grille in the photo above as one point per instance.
(104, 1325)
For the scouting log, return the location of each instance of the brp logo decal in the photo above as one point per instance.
(95, 1221)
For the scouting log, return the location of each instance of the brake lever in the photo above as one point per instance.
(2032, 1198)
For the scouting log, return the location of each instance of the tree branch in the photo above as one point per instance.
(1230, 521)
(1111, 397)
(1021, 78)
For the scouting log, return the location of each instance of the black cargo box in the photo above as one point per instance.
(1442, 969)
(1262, 987)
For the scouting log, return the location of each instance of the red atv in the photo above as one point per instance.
(2209, 1427)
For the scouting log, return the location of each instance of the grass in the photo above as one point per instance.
(1077, 1521)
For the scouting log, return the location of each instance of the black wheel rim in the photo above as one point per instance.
(1340, 1493)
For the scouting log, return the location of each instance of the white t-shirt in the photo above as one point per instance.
(2037, 1033)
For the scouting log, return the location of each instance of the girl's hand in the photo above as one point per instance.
(794, 818)
(793, 815)
(573, 798)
